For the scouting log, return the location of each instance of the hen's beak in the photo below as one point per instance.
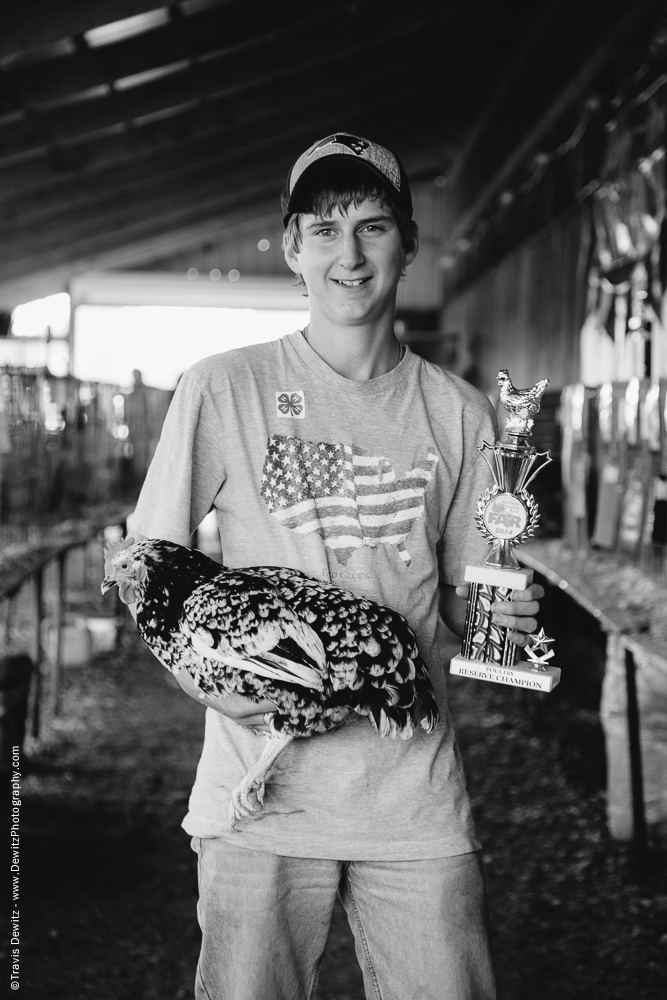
(107, 583)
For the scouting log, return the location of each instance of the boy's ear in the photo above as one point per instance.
(292, 260)
(414, 249)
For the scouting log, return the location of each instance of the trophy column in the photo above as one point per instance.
(506, 514)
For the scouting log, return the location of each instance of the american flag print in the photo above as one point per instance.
(348, 498)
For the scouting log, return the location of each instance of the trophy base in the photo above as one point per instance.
(520, 675)
(515, 579)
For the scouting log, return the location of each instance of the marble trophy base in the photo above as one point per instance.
(496, 576)
(522, 674)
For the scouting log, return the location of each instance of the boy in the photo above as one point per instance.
(339, 453)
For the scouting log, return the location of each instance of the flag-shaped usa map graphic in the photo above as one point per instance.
(348, 498)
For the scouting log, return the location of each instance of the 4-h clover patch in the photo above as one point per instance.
(291, 404)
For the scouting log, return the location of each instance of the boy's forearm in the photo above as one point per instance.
(240, 709)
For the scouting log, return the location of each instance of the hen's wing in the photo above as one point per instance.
(243, 637)
(373, 661)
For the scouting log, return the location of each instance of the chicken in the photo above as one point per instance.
(320, 654)
(525, 402)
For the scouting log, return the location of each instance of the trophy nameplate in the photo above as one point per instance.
(506, 514)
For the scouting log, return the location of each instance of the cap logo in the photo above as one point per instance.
(343, 143)
(352, 142)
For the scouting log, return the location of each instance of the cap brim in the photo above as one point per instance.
(291, 203)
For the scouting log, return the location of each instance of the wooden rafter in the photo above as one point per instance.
(224, 86)
(234, 24)
(225, 29)
(35, 23)
(263, 135)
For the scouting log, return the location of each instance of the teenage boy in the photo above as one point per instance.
(339, 453)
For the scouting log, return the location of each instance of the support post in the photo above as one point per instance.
(640, 833)
(39, 654)
(56, 677)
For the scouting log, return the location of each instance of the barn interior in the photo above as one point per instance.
(143, 151)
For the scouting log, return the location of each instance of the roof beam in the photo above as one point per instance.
(227, 79)
(33, 23)
(255, 137)
(234, 24)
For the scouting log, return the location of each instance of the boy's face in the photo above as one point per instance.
(351, 262)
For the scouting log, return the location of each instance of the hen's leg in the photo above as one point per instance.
(241, 806)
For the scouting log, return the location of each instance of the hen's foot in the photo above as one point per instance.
(248, 796)
(247, 799)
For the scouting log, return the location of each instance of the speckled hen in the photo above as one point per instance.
(318, 653)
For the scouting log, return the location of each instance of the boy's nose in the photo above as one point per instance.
(351, 254)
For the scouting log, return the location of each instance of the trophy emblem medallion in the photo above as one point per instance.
(506, 514)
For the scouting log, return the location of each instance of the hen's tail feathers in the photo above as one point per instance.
(395, 720)
(430, 720)
(431, 713)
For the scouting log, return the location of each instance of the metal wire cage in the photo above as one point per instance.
(67, 445)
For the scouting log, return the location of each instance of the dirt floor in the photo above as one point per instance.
(108, 887)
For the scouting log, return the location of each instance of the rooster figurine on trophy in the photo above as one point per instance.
(506, 514)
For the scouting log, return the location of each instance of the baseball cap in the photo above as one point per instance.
(352, 149)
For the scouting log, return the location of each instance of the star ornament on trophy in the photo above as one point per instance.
(506, 514)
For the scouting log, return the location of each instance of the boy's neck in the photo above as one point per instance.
(359, 353)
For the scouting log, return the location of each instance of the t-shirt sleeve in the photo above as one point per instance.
(461, 543)
(187, 470)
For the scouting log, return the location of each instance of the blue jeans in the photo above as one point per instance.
(420, 927)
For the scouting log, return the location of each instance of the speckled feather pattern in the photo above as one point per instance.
(224, 625)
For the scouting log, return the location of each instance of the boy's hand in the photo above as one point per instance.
(517, 614)
(236, 707)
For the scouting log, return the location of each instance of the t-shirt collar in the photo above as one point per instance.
(370, 387)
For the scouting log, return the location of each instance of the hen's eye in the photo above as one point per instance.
(124, 565)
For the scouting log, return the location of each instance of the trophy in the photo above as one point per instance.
(506, 514)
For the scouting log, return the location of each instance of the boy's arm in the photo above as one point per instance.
(241, 710)
(517, 614)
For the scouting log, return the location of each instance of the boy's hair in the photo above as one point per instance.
(338, 185)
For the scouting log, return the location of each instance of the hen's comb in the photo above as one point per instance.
(113, 548)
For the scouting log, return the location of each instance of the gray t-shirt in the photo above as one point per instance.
(371, 486)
